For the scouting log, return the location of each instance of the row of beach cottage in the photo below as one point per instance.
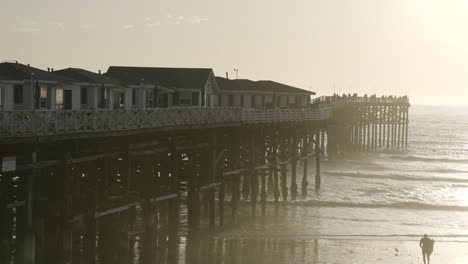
(27, 88)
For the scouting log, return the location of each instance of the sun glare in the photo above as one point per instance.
(447, 19)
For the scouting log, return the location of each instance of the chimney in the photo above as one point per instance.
(48, 69)
(17, 62)
(51, 69)
(227, 75)
(99, 72)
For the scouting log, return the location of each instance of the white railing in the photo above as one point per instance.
(342, 99)
(42, 123)
(285, 115)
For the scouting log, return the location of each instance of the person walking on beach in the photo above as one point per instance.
(427, 245)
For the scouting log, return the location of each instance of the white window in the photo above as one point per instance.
(59, 98)
(118, 100)
(44, 96)
(149, 98)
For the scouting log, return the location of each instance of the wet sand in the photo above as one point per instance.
(318, 251)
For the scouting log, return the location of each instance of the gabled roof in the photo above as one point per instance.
(168, 77)
(20, 72)
(84, 76)
(259, 86)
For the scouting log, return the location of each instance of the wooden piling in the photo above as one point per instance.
(305, 151)
(235, 180)
(5, 217)
(372, 125)
(263, 193)
(63, 191)
(91, 202)
(283, 169)
(293, 166)
(322, 142)
(28, 243)
(274, 155)
(317, 165)
(253, 174)
(380, 125)
(193, 197)
(174, 204)
(406, 126)
(150, 214)
(212, 179)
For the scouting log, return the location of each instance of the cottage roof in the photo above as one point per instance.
(84, 76)
(20, 72)
(168, 77)
(259, 86)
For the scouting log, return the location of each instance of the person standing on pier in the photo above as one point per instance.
(427, 245)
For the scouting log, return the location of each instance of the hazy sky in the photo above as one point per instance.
(391, 46)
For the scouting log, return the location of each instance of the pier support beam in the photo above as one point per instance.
(235, 180)
(89, 221)
(274, 156)
(253, 173)
(283, 169)
(212, 179)
(305, 152)
(263, 192)
(406, 126)
(193, 196)
(5, 217)
(28, 243)
(293, 166)
(317, 165)
(150, 212)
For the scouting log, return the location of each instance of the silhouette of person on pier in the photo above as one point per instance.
(427, 245)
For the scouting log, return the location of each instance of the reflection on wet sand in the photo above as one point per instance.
(205, 249)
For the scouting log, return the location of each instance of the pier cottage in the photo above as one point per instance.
(23, 87)
(167, 87)
(260, 94)
(98, 91)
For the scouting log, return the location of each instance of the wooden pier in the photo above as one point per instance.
(362, 123)
(86, 186)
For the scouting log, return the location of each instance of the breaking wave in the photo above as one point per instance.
(398, 205)
(393, 176)
(428, 159)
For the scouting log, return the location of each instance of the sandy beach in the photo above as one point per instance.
(322, 251)
(389, 252)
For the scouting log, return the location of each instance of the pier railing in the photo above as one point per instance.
(285, 115)
(337, 99)
(44, 123)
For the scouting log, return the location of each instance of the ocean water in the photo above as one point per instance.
(389, 194)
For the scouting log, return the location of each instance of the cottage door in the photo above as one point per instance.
(67, 99)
